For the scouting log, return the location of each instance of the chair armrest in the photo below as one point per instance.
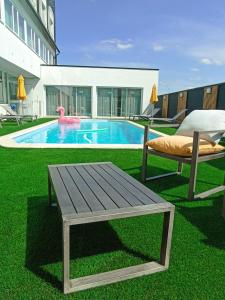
(163, 125)
(196, 140)
(209, 131)
(197, 134)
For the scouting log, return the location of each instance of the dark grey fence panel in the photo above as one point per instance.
(172, 105)
(195, 99)
(221, 97)
(159, 105)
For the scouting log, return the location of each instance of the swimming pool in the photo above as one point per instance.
(88, 134)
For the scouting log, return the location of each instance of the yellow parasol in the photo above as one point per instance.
(154, 97)
(21, 92)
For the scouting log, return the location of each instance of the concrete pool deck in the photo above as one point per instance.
(8, 141)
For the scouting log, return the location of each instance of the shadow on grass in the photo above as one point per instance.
(218, 164)
(163, 184)
(44, 240)
(209, 220)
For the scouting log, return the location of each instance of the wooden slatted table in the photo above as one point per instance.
(87, 193)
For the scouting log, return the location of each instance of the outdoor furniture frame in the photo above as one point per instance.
(13, 113)
(193, 161)
(148, 113)
(88, 193)
(18, 119)
(168, 120)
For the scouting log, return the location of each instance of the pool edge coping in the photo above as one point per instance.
(7, 141)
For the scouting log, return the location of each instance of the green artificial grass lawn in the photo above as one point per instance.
(10, 126)
(30, 231)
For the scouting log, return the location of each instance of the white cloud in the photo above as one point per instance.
(157, 48)
(202, 41)
(199, 40)
(115, 44)
(209, 55)
(206, 61)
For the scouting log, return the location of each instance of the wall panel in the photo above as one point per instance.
(159, 104)
(172, 104)
(210, 97)
(165, 106)
(195, 99)
(221, 97)
(181, 104)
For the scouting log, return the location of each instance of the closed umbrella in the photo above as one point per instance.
(154, 96)
(21, 91)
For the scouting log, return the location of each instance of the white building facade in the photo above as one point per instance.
(27, 38)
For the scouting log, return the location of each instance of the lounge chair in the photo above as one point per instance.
(148, 113)
(193, 160)
(11, 112)
(168, 120)
(18, 119)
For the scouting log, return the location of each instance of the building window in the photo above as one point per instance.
(42, 49)
(118, 102)
(12, 88)
(33, 39)
(0, 9)
(1, 88)
(9, 14)
(34, 3)
(29, 37)
(43, 11)
(51, 22)
(36, 43)
(21, 28)
(48, 56)
(75, 100)
(45, 54)
(51, 59)
(15, 21)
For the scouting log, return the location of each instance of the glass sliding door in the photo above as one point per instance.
(82, 101)
(104, 102)
(12, 89)
(133, 101)
(118, 102)
(75, 100)
(1, 88)
(65, 99)
(52, 100)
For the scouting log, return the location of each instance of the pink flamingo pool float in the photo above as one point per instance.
(66, 120)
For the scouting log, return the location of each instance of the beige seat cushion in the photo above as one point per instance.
(182, 145)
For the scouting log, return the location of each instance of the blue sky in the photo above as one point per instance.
(184, 39)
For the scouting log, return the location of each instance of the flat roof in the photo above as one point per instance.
(101, 67)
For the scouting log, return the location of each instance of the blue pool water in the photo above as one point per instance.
(87, 132)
